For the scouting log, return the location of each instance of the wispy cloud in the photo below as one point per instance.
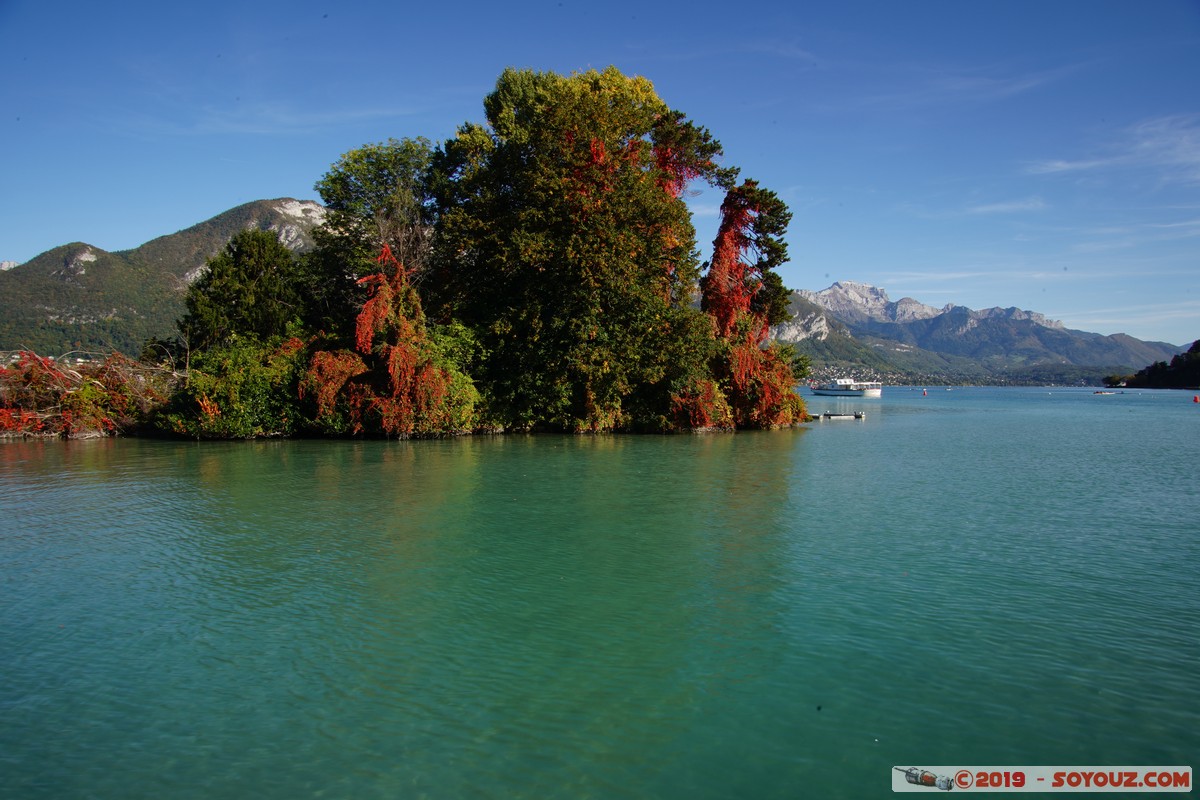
(1126, 318)
(921, 87)
(782, 49)
(1018, 206)
(251, 120)
(1190, 225)
(944, 276)
(1168, 144)
(271, 120)
(1127, 236)
(705, 209)
(1009, 207)
(1061, 165)
(774, 47)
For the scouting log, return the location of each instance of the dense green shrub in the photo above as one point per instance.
(240, 390)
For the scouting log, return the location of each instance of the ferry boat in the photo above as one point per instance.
(848, 387)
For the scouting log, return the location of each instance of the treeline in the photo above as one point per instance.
(1182, 373)
(535, 272)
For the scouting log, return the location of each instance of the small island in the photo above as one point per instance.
(537, 272)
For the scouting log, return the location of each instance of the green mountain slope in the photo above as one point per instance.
(77, 297)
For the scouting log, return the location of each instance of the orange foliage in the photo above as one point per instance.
(38, 396)
(701, 407)
(327, 375)
(760, 383)
(390, 386)
(727, 293)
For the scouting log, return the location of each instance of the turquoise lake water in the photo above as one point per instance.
(976, 576)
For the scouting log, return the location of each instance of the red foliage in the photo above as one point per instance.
(674, 173)
(592, 178)
(727, 291)
(374, 313)
(327, 375)
(392, 387)
(599, 153)
(291, 346)
(20, 421)
(762, 387)
(760, 383)
(379, 306)
(38, 396)
(701, 407)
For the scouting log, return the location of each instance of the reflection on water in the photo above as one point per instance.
(711, 616)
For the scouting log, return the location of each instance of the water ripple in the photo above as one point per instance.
(976, 582)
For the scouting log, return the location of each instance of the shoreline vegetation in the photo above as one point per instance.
(537, 272)
(1182, 373)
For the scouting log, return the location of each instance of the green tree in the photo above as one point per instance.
(378, 195)
(1182, 373)
(248, 290)
(375, 195)
(564, 243)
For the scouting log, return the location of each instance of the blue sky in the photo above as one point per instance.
(1044, 155)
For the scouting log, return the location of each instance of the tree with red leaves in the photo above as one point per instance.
(555, 255)
(398, 383)
(745, 296)
(748, 247)
(564, 242)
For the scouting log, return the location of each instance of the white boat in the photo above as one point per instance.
(848, 387)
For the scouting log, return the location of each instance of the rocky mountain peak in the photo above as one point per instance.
(299, 217)
(855, 301)
(75, 262)
(1017, 313)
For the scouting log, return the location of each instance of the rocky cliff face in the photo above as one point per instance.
(1018, 314)
(852, 301)
(297, 220)
(855, 302)
(807, 324)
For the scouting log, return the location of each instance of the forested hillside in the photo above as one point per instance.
(1183, 372)
(78, 297)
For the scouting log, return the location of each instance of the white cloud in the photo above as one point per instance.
(1059, 165)
(926, 86)
(977, 209)
(1168, 144)
(1143, 317)
(281, 120)
(1010, 207)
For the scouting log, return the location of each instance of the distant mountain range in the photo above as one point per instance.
(855, 327)
(79, 297)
